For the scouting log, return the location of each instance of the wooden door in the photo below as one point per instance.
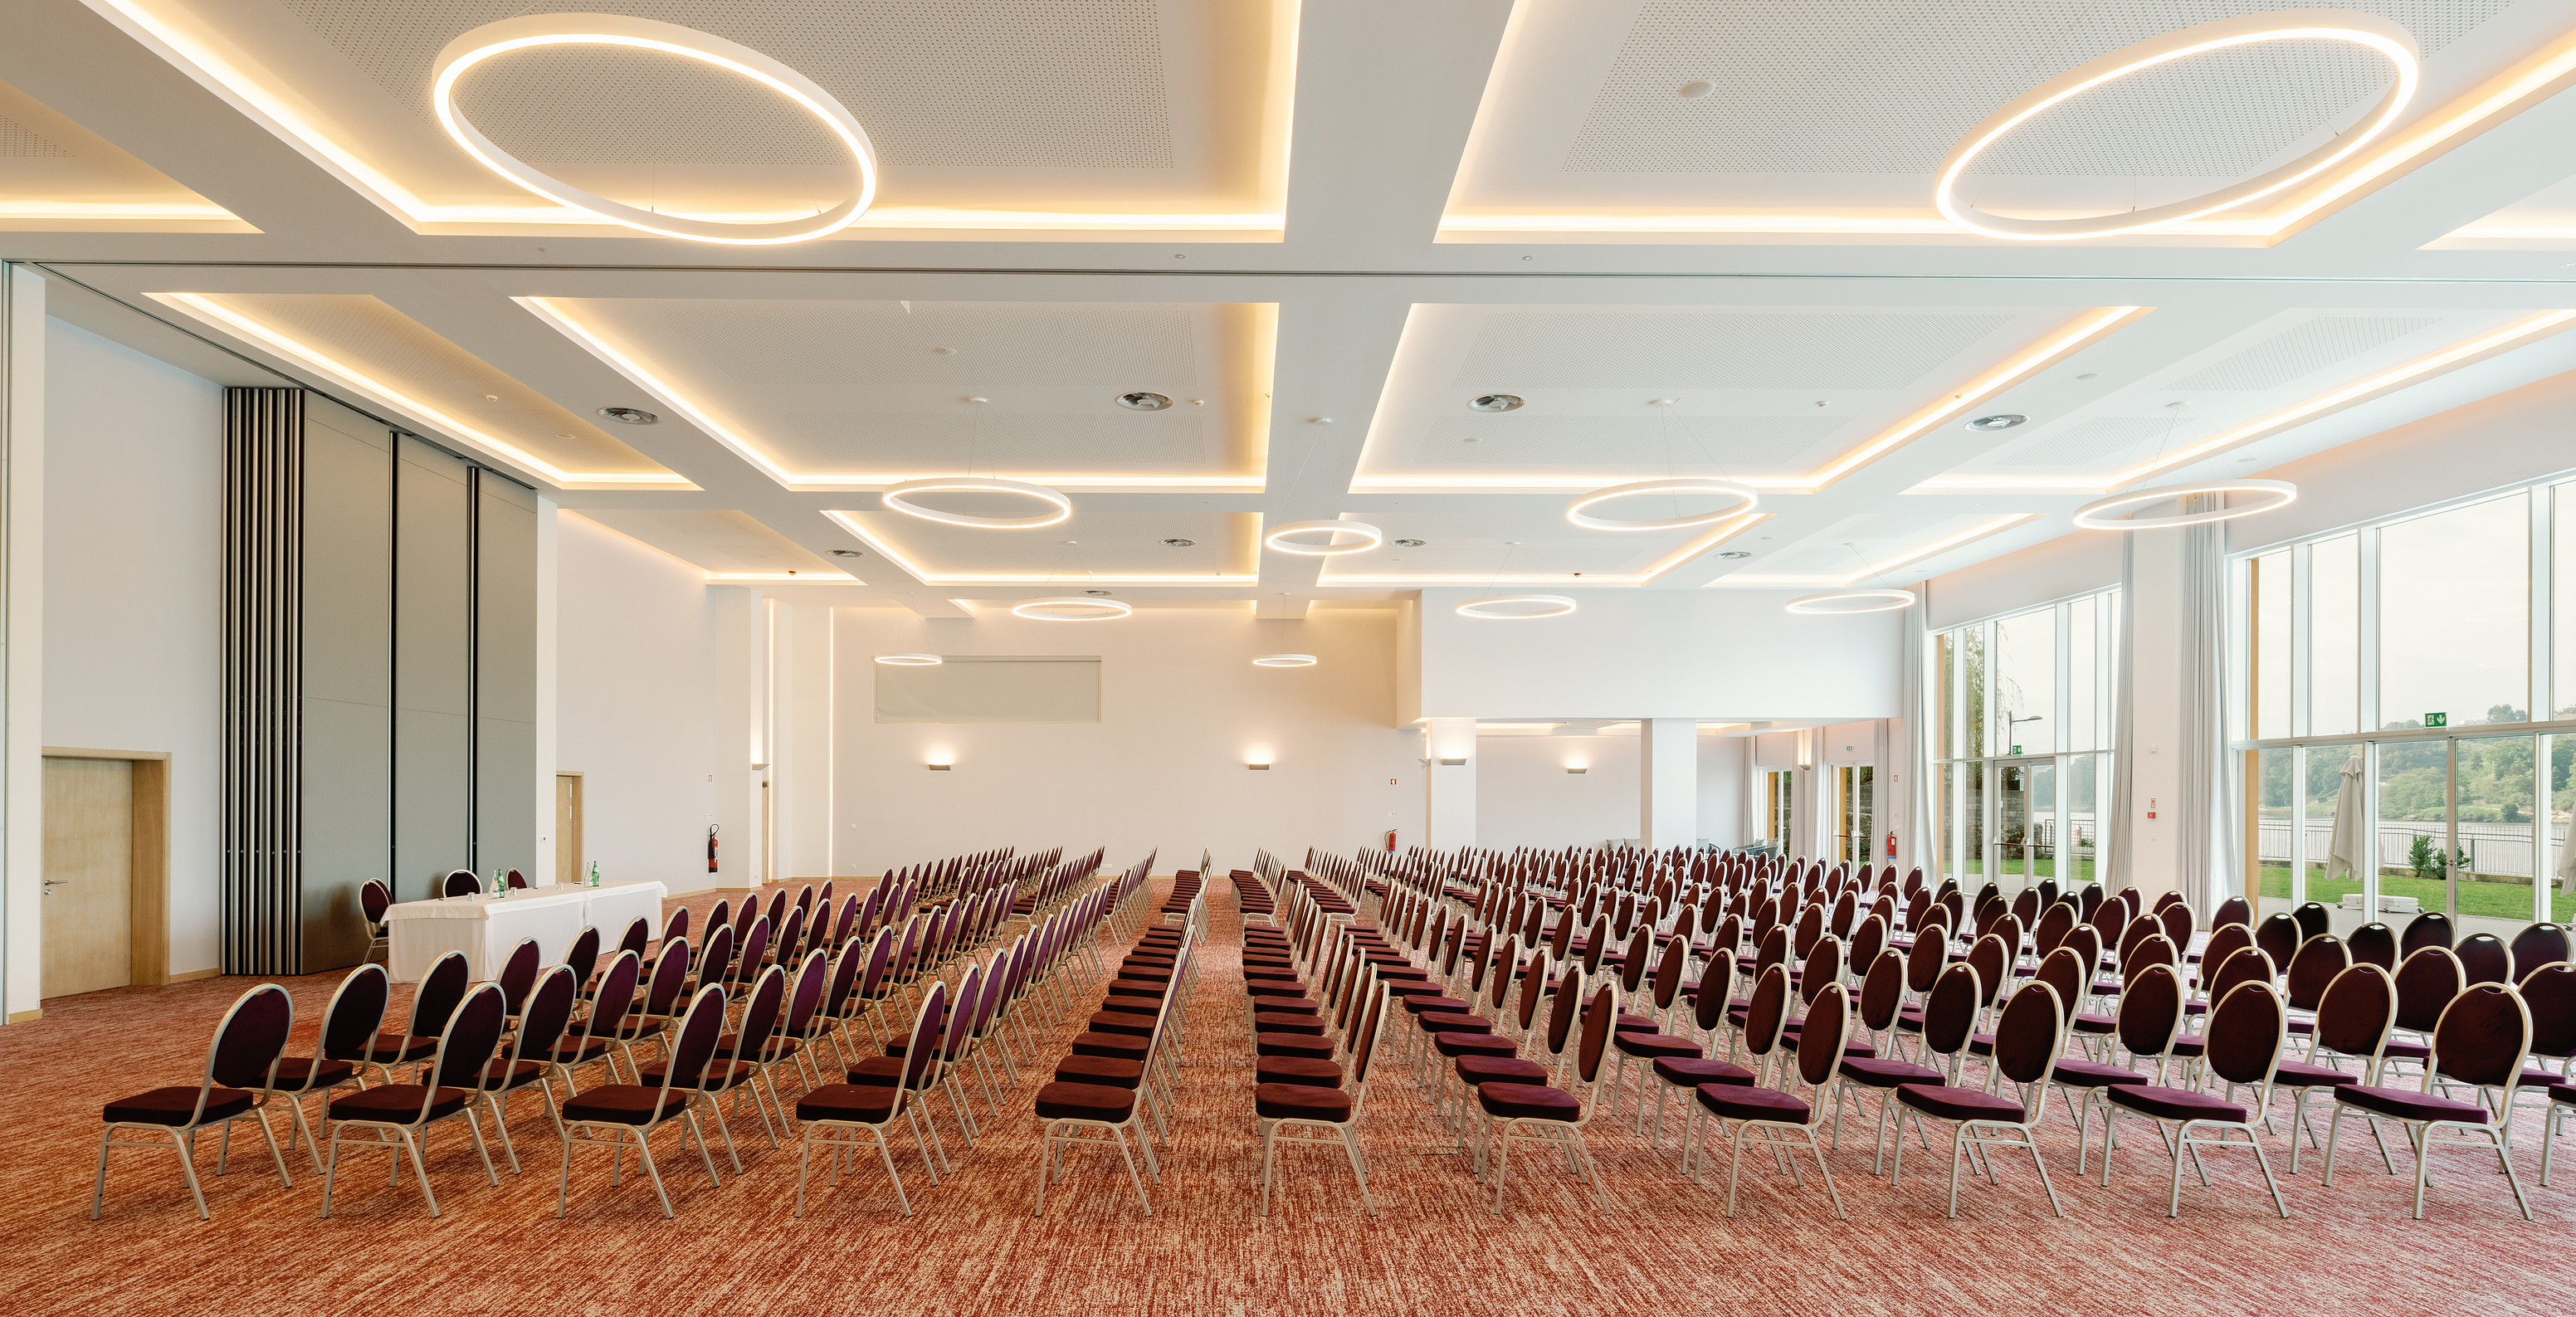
(89, 875)
(568, 865)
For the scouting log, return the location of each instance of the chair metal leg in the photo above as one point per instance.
(421, 1169)
(475, 1127)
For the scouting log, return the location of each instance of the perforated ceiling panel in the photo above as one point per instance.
(18, 140)
(1049, 83)
(547, 106)
(2301, 351)
(1887, 86)
(1747, 350)
(1548, 442)
(2101, 439)
(795, 344)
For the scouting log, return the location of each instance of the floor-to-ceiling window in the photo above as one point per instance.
(2022, 707)
(2410, 717)
(1779, 810)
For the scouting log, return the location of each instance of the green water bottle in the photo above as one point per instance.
(594, 873)
(501, 882)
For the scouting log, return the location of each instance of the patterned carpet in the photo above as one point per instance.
(974, 1248)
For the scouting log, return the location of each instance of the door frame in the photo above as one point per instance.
(581, 824)
(148, 886)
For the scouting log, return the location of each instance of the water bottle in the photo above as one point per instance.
(594, 873)
(501, 883)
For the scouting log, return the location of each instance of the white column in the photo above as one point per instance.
(741, 738)
(22, 647)
(1449, 796)
(800, 763)
(548, 700)
(1667, 782)
(2152, 743)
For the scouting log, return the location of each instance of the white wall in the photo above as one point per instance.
(637, 698)
(1524, 796)
(134, 488)
(1181, 706)
(1707, 654)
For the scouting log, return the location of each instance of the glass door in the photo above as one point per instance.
(1779, 812)
(1853, 818)
(2025, 823)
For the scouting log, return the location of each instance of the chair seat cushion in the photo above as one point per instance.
(303, 1074)
(1953, 1103)
(1275, 1101)
(1109, 1071)
(1140, 1006)
(1504, 1100)
(394, 1048)
(1884, 1072)
(1064, 1100)
(579, 1051)
(1745, 1102)
(878, 1072)
(2165, 1103)
(1110, 1044)
(1647, 1046)
(1693, 1071)
(2304, 1074)
(398, 1103)
(2080, 1073)
(2404, 1051)
(2094, 1022)
(2408, 1104)
(1418, 1004)
(618, 1104)
(718, 1077)
(1141, 1026)
(1455, 1022)
(501, 1076)
(1297, 1070)
(1291, 1044)
(1500, 1070)
(851, 1102)
(174, 1105)
(1286, 1022)
(1454, 1045)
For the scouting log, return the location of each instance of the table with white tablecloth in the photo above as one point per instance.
(610, 909)
(485, 928)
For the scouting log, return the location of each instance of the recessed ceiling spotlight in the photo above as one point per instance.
(1141, 401)
(629, 415)
(1999, 421)
(1178, 543)
(846, 553)
(2090, 375)
(1412, 544)
(1736, 553)
(1691, 91)
(1095, 592)
(1496, 402)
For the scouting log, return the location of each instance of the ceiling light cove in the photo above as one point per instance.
(898, 499)
(2389, 39)
(1331, 545)
(2267, 495)
(535, 31)
(1745, 501)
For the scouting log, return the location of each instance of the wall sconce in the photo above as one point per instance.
(937, 768)
(941, 761)
(1453, 763)
(1573, 769)
(1262, 767)
(1257, 759)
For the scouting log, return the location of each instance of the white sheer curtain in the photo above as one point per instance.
(2118, 872)
(2208, 836)
(1923, 827)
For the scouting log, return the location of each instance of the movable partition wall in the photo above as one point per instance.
(379, 675)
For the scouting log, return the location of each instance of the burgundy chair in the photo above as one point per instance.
(1882, 994)
(2315, 964)
(400, 1114)
(518, 976)
(2484, 959)
(590, 1039)
(2030, 1040)
(437, 997)
(241, 1061)
(1544, 1113)
(349, 1024)
(2481, 1041)
(2353, 1019)
(2150, 1019)
(677, 925)
(836, 1114)
(461, 882)
(2247, 1030)
(2429, 929)
(540, 1033)
(2427, 980)
(518, 883)
(713, 960)
(584, 957)
(2538, 945)
(1335, 1108)
(624, 1111)
(723, 1072)
(2374, 944)
(2313, 920)
(659, 1009)
(374, 898)
(1777, 1113)
(2233, 910)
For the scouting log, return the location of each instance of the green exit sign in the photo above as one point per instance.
(2437, 720)
(2016, 749)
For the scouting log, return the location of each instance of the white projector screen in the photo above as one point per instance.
(991, 689)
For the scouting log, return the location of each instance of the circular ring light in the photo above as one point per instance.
(910, 660)
(1330, 547)
(540, 30)
(1071, 608)
(1517, 607)
(897, 499)
(2285, 25)
(1284, 661)
(1850, 601)
(2093, 515)
(1746, 499)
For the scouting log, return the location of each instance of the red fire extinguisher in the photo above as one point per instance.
(1390, 841)
(1891, 845)
(711, 848)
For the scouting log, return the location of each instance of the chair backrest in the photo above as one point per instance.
(2482, 1039)
(2550, 995)
(2088, 900)
(2151, 1010)
(2175, 915)
(1810, 926)
(1950, 1010)
(356, 1012)
(1363, 1043)
(2053, 926)
(1993, 962)
(811, 979)
(1931, 952)
(440, 991)
(2152, 949)
(841, 997)
(2247, 1029)
(466, 1046)
(1716, 987)
(519, 974)
(460, 882)
(616, 996)
(2086, 942)
(847, 925)
(1867, 941)
(721, 916)
(670, 975)
(1821, 1039)
(2373, 943)
(2233, 910)
(1882, 991)
(805, 897)
(1593, 1045)
(2246, 965)
(1774, 949)
(1767, 1014)
(373, 899)
(518, 882)
(692, 1046)
(678, 924)
(2279, 936)
(2357, 1011)
(2136, 931)
(1564, 1007)
(760, 1014)
(2429, 929)
(2538, 945)
(1595, 943)
(880, 962)
(2483, 959)
(2427, 980)
(547, 1014)
(2028, 1041)
(2065, 971)
(1824, 965)
(638, 935)
(742, 918)
(2318, 961)
(755, 948)
(920, 1057)
(777, 906)
(718, 952)
(2313, 919)
(1672, 971)
(2225, 941)
(2025, 907)
(247, 1043)
(791, 935)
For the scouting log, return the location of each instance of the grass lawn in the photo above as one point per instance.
(2484, 900)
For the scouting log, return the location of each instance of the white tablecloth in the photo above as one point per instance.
(609, 909)
(485, 928)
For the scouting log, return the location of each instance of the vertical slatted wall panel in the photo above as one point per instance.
(263, 646)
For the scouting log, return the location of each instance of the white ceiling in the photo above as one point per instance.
(1321, 228)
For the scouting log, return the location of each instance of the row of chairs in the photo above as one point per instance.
(1124, 1068)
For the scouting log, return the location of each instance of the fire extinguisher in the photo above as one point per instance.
(1390, 841)
(711, 848)
(1891, 845)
